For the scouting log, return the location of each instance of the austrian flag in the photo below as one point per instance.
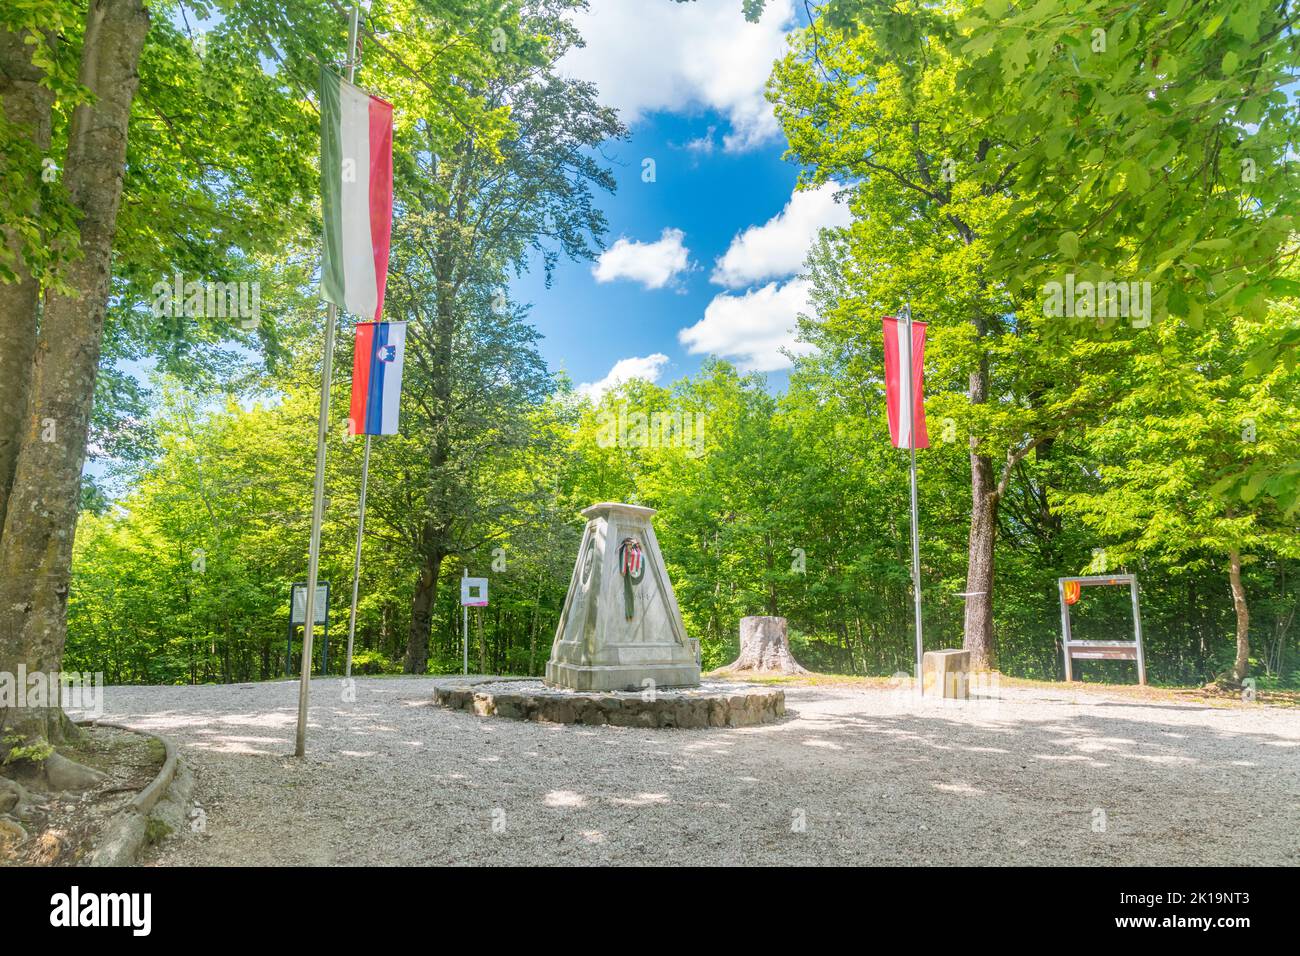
(356, 171)
(902, 390)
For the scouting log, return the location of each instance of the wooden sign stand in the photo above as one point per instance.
(1102, 650)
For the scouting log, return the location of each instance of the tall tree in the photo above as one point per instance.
(41, 517)
(1147, 141)
(472, 215)
(926, 189)
(32, 67)
(1192, 419)
(189, 211)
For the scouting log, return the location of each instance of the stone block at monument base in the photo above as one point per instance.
(711, 704)
(622, 676)
(946, 674)
(621, 628)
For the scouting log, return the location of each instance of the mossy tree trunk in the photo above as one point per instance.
(41, 516)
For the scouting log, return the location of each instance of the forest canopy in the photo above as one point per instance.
(991, 155)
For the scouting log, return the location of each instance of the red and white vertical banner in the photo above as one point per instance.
(905, 383)
(356, 166)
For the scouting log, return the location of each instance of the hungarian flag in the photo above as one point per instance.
(377, 377)
(356, 171)
(901, 390)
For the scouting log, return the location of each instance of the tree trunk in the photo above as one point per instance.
(36, 543)
(433, 527)
(1241, 667)
(978, 637)
(979, 564)
(532, 630)
(27, 104)
(765, 648)
(426, 592)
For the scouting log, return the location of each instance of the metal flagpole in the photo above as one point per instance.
(318, 497)
(911, 441)
(356, 561)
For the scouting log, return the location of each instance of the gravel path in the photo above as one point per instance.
(853, 774)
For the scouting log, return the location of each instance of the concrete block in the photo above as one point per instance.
(946, 674)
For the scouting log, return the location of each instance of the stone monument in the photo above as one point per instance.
(621, 625)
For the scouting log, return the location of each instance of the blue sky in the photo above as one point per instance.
(688, 80)
(590, 325)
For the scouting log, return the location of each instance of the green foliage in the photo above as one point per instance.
(810, 470)
(370, 661)
(42, 36)
(1153, 137)
(19, 752)
(156, 830)
(1143, 142)
(1191, 417)
(1123, 162)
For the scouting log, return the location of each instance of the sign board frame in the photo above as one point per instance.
(1102, 650)
(298, 617)
(473, 592)
(298, 602)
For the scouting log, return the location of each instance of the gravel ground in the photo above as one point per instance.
(852, 774)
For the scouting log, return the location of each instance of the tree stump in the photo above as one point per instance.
(765, 648)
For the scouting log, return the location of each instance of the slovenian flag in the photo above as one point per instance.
(377, 377)
(356, 171)
(904, 389)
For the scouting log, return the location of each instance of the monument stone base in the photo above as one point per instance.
(621, 676)
(711, 704)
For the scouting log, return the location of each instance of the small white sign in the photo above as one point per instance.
(473, 592)
(298, 614)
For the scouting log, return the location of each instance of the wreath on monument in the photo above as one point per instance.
(631, 564)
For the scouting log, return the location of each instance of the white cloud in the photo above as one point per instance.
(648, 368)
(779, 247)
(653, 264)
(702, 145)
(753, 328)
(648, 55)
